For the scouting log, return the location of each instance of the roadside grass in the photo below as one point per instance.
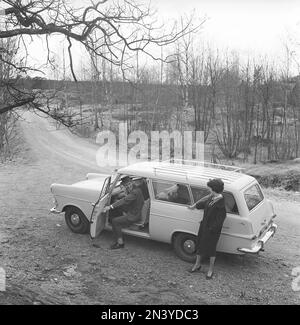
(19, 151)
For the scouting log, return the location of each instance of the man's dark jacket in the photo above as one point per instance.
(133, 202)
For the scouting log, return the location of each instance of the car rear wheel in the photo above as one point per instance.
(185, 246)
(76, 220)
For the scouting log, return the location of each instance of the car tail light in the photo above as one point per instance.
(273, 210)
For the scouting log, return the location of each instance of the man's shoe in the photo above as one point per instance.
(117, 246)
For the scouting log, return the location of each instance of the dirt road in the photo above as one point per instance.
(46, 140)
(45, 263)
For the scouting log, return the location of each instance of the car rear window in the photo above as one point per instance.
(253, 196)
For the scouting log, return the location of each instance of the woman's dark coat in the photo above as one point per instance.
(211, 225)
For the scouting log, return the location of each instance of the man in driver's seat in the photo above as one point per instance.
(133, 203)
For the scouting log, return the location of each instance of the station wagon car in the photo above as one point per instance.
(171, 188)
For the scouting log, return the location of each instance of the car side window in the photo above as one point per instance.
(199, 192)
(253, 196)
(230, 203)
(171, 192)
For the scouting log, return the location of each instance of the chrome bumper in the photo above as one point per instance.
(53, 210)
(259, 246)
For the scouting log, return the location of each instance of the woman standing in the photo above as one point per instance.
(210, 226)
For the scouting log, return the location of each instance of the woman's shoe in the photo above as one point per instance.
(117, 246)
(193, 270)
(209, 275)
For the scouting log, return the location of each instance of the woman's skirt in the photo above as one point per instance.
(207, 242)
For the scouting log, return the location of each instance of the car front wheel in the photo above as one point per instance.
(76, 220)
(185, 246)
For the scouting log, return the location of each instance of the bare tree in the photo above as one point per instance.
(110, 30)
(267, 90)
(229, 131)
(8, 118)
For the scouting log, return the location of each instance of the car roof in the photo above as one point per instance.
(187, 173)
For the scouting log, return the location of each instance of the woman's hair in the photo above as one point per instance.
(216, 185)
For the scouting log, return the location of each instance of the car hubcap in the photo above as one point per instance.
(189, 246)
(75, 219)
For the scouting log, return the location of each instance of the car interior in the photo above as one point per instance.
(117, 194)
(175, 193)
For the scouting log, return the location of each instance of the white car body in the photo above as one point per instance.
(244, 231)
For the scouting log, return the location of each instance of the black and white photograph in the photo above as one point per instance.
(149, 155)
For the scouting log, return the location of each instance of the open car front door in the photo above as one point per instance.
(98, 218)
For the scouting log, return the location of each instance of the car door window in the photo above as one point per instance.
(199, 192)
(105, 187)
(171, 192)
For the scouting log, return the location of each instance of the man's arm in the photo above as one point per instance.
(125, 201)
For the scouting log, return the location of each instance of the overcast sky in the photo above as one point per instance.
(249, 26)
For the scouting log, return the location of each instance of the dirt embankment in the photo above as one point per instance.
(279, 175)
(45, 263)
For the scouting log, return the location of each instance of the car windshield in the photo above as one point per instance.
(253, 196)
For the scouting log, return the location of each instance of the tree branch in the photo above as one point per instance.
(16, 105)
